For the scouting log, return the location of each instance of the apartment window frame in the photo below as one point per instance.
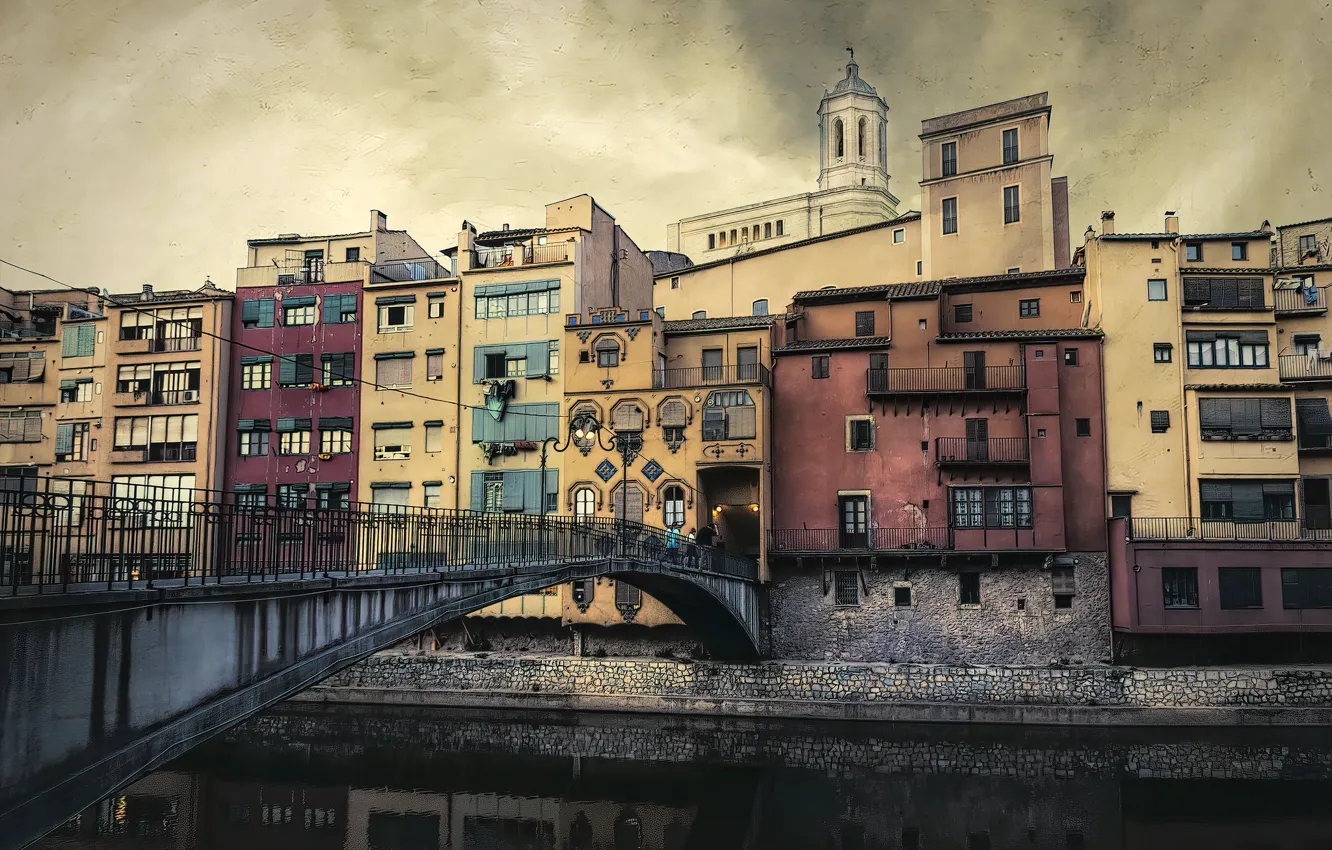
(256, 376)
(712, 241)
(759, 307)
(1239, 251)
(864, 323)
(1029, 308)
(1262, 418)
(434, 307)
(294, 442)
(331, 376)
(1160, 421)
(962, 314)
(335, 441)
(969, 589)
(298, 315)
(846, 588)
(78, 440)
(1278, 504)
(1179, 588)
(991, 507)
(1082, 426)
(1193, 252)
(253, 443)
(819, 367)
(948, 159)
(1163, 352)
(1012, 204)
(948, 212)
(391, 321)
(1071, 357)
(1157, 289)
(1239, 588)
(859, 433)
(1210, 354)
(80, 393)
(1295, 594)
(1308, 245)
(1009, 140)
(899, 235)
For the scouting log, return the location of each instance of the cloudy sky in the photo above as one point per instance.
(145, 141)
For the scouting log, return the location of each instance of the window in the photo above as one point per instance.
(299, 313)
(746, 363)
(846, 588)
(1238, 418)
(71, 442)
(253, 438)
(1179, 587)
(333, 496)
(729, 415)
(393, 372)
(732, 236)
(553, 357)
(1010, 146)
(1242, 350)
(1063, 586)
(1070, 357)
(1306, 343)
(918, 267)
(860, 434)
(585, 502)
(335, 436)
(818, 366)
(1247, 500)
(949, 159)
(393, 440)
(435, 365)
(861, 127)
(396, 318)
(901, 596)
(78, 341)
(160, 438)
(991, 507)
(608, 353)
(496, 302)
(1241, 587)
(1075, 296)
(257, 313)
(1082, 427)
(1162, 352)
(339, 309)
(699, 314)
(435, 307)
(434, 437)
(1160, 421)
(1193, 252)
(878, 363)
(22, 366)
(292, 496)
(968, 588)
(1012, 204)
(1239, 250)
(779, 227)
(76, 391)
(712, 241)
(1029, 308)
(760, 307)
(673, 506)
(432, 493)
(294, 436)
(296, 370)
(839, 139)
(962, 313)
(353, 255)
(1306, 587)
(254, 376)
(1308, 245)
(338, 370)
(1015, 270)
(949, 215)
(899, 236)
(864, 323)
(1121, 506)
(1224, 293)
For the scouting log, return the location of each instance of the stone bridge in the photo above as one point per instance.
(133, 628)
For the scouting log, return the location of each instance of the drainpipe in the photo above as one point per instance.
(1183, 394)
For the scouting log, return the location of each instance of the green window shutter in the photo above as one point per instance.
(538, 358)
(299, 301)
(266, 312)
(514, 490)
(484, 428)
(249, 311)
(287, 370)
(552, 482)
(64, 439)
(78, 341)
(478, 364)
(87, 339)
(286, 425)
(304, 369)
(543, 421)
(333, 308)
(478, 491)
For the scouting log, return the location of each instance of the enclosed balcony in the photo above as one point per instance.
(946, 379)
(995, 451)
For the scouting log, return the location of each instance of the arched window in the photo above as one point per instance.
(585, 502)
(608, 352)
(673, 506)
(767, 230)
(761, 307)
(861, 130)
(839, 138)
(722, 236)
(700, 314)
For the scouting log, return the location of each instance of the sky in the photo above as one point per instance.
(144, 142)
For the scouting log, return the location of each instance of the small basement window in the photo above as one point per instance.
(846, 588)
(902, 597)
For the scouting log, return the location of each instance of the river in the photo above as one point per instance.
(379, 778)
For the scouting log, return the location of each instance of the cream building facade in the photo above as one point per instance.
(852, 185)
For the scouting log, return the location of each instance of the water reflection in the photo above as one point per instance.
(386, 779)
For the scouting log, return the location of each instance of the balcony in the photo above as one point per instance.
(156, 453)
(1315, 526)
(1306, 367)
(1315, 444)
(996, 451)
(946, 379)
(708, 376)
(406, 271)
(560, 252)
(835, 540)
(27, 330)
(145, 398)
(1301, 301)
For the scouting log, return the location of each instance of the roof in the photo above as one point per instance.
(292, 238)
(1250, 234)
(889, 291)
(985, 114)
(203, 293)
(1254, 272)
(1303, 223)
(519, 233)
(913, 215)
(684, 326)
(799, 345)
(852, 81)
(1223, 388)
(1034, 335)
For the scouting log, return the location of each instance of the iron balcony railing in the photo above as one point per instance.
(800, 540)
(559, 252)
(311, 272)
(62, 535)
(1311, 300)
(1306, 367)
(405, 271)
(960, 450)
(493, 258)
(1315, 525)
(946, 379)
(704, 376)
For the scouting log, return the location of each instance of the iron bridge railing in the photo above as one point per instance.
(59, 535)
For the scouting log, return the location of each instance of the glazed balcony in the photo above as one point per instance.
(1305, 367)
(1294, 302)
(1314, 526)
(797, 541)
(711, 376)
(946, 379)
(996, 451)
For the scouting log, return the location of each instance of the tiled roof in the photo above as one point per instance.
(296, 237)
(1262, 270)
(800, 345)
(203, 293)
(1051, 333)
(1251, 234)
(721, 323)
(1302, 223)
(914, 215)
(1214, 388)
(1071, 272)
(920, 289)
(519, 233)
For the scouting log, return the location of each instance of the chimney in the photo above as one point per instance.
(378, 221)
(1107, 222)
(1171, 222)
(147, 292)
(505, 227)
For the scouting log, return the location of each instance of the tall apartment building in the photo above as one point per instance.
(990, 205)
(1216, 394)
(938, 474)
(299, 338)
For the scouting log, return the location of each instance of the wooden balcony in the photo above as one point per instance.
(996, 451)
(946, 379)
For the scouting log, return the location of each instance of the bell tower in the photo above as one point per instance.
(853, 134)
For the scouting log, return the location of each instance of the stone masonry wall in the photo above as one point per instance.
(884, 683)
(807, 624)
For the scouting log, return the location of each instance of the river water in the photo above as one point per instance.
(328, 778)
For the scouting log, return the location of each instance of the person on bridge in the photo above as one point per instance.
(691, 549)
(673, 543)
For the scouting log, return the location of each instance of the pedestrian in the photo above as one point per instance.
(707, 536)
(673, 543)
(691, 549)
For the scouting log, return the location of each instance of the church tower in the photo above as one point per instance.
(853, 134)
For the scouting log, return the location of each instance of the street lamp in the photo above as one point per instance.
(580, 428)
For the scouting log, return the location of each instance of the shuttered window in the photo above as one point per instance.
(627, 504)
(393, 372)
(514, 491)
(393, 441)
(339, 309)
(1247, 501)
(20, 426)
(257, 313)
(864, 323)
(492, 361)
(435, 364)
(22, 366)
(520, 422)
(673, 414)
(729, 415)
(434, 437)
(79, 341)
(1213, 350)
(296, 370)
(627, 417)
(1315, 422)
(339, 370)
(1224, 293)
(1235, 418)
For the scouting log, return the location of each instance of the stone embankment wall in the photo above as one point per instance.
(402, 674)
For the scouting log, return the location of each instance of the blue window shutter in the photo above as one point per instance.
(87, 339)
(552, 483)
(514, 490)
(249, 311)
(478, 364)
(266, 312)
(532, 497)
(478, 491)
(332, 309)
(538, 358)
(287, 370)
(64, 439)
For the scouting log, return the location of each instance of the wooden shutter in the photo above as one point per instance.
(627, 417)
(1246, 498)
(1214, 414)
(538, 358)
(864, 323)
(741, 422)
(631, 500)
(673, 414)
(304, 369)
(514, 490)
(393, 373)
(478, 500)
(1245, 416)
(64, 443)
(978, 430)
(1275, 414)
